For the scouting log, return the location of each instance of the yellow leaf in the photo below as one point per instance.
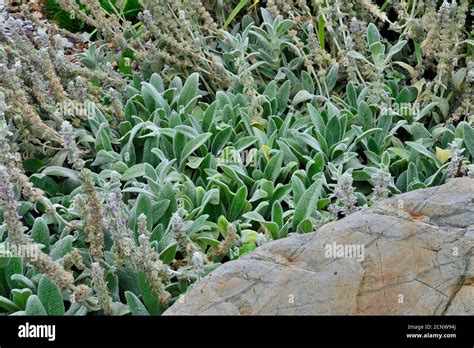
(256, 123)
(443, 155)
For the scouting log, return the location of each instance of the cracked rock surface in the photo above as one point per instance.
(418, 259)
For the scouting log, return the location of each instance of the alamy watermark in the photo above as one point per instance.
(351, 251)
(37, 331)
(404, 110)
(70, 108)
(27, 251)
(233, 156)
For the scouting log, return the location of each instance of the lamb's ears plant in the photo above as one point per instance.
(198, 145)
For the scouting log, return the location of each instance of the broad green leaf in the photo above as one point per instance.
(8, 305)
(153, 99)
(273, 168)
(167, 255)
(254, 216)
(143, 205)
(157, 82)
(421, 149)
(331, 77)
(40, 233)
(277, 214)
(404, 96)
(159, 209)
(237, 204)
(307, 204)
(136, 306)
(412, 173)
(102, 141)
(245, 142)
(20, 296)
(333, 131)
(324, 202)
(76, 309)
(191, 146)
(402, 153)
(395, 49)
(297, 187)
(34, 306)
(469, 139)
(4, 260)
(179, 142)
(61, 248)
(365, 117)
(14, 267)
(302, 96)
(50, 296)
(23, 281)
(373, 35)
(283, 96)
(149, 298)
(273, 228)
(210, 241)
(190, 89)
(357, 55)
(378, 51)
(351, 94)
(221, 140)
(247, 248)
(305, 226)
(60, 171)
(104, 157)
